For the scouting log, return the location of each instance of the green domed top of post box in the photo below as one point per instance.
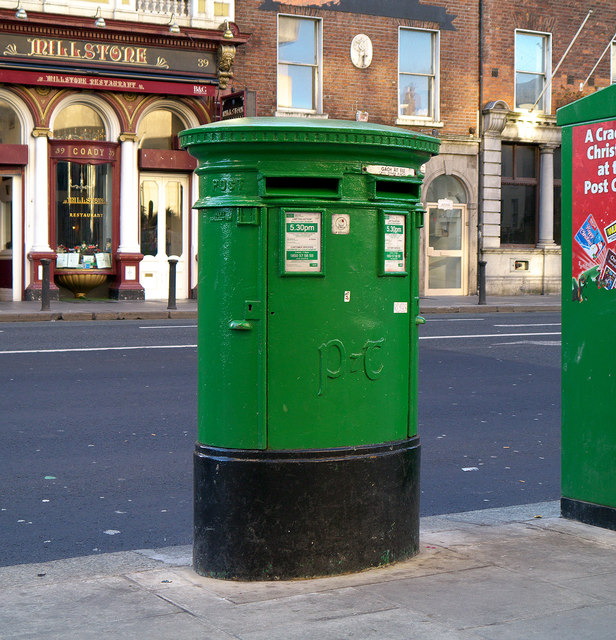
(365, 139)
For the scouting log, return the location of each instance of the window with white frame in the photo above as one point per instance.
(613, 62)
(532, 62)
(299, 62)
(418, 74)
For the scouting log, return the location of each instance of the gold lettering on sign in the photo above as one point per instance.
(81, 200)
(90, 51)
(91, 152)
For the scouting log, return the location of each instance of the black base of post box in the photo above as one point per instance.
(597, 515)
(271, 515)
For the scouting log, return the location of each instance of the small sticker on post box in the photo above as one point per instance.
(401, 307)
(341, 223)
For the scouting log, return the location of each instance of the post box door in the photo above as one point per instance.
(231, 328)
(339, 313)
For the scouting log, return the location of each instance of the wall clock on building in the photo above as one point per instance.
(361, 51)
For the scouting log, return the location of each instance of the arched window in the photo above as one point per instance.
(79, 122)
(10, 129)
(446, 188)
(159, 130)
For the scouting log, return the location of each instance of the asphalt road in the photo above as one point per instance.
(489, 411)
(98, 427)
(97, 441)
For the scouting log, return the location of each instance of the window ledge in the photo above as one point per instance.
(289, 113)
(419, 122)
(529, 248)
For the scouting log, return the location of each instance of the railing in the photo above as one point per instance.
(208, 14)
(179, 8)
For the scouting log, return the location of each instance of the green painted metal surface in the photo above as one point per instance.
(589, 298)
(308, 283)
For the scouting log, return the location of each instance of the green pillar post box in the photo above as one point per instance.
(307, 460)
(589, 308)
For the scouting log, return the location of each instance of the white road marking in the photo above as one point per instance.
(489, 335)
(161, 346)
(173, 326)
(431, 320)
(543, 324)
(539, 343)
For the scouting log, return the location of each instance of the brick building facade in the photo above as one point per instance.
(477, 74)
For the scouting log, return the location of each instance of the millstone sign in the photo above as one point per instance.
(589, 308)
(307, 460)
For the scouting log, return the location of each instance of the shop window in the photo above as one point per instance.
(10, 129)
(299, 76)
(159, 130)
(83, 215)
(79, 122)
(418, 74)
(532, 63)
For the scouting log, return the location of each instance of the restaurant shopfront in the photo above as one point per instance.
(91, 174)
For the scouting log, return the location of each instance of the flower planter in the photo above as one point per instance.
(80, 281)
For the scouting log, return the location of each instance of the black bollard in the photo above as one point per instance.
(45, 262)
(172, 265)
(482, 281)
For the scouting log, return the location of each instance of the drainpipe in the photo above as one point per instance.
(481, 264)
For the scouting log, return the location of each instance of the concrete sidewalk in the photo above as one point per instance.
(80, 310)
(157, 309)
(506, 574)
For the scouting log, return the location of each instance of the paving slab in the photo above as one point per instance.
(479, 597)
(558, 558)
(85, 603)
(575, 624)
(381, 625)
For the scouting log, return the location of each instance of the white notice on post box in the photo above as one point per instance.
(394, 244)
(388, 170)
(302, 241)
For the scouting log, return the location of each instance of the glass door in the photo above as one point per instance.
(446, 268)
(6, 238)
(164, 234)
